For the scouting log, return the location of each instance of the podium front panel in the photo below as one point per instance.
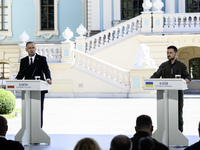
(27, 85)
(165, 84)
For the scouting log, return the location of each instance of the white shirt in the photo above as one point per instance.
(33, 58)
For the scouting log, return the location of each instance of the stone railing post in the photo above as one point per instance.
(158, 21)
(137, 76)
(67, 47)
(146, 22)
(80, 41)
(67, 54)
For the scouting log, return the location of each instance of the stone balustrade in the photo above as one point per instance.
(101, 69)
(131, 26)
(51, 51)
(186, 22)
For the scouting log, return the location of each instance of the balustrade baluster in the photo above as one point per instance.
(87, 47)
(192, 22)
(197, 21)
(186, 21)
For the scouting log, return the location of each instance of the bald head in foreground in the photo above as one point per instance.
(121, 142)
(4, 143)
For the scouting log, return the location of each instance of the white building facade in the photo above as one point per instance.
(100, 58)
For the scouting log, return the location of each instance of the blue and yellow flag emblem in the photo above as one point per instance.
(149, 84)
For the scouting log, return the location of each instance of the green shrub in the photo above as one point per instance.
(7, 102)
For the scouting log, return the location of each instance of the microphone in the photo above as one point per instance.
(32, 76)
(160, 69)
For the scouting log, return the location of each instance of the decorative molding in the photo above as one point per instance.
(46, 34)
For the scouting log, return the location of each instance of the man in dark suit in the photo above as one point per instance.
(34, 65)
(144, 129)
(195, 146)
(4, 143)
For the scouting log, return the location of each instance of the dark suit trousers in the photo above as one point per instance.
(42, 106)
(180, 110)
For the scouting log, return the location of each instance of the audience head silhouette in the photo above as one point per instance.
(146, 143)
(144, 123)
(87, 144)
(121, 142)
(3, 126)
(4, 143)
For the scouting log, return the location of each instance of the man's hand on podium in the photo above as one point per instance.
(49, 81)
(187, 81)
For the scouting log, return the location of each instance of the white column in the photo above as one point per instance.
(85, 17)
(95, 15)
(170, 6)
(181, 6)
(117, 10)
(107, 14)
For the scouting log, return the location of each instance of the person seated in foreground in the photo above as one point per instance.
(146, 143)
(121, 142)
(195, 146)
(144, 128)
(4, 143)
(87, 144)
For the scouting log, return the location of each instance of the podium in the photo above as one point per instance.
(31, 131)
(167, 109)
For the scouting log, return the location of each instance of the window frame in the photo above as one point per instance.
(198, 66)
(132, 10)
(3, 69)
(8, 32)
(46, 34)
(192, 7)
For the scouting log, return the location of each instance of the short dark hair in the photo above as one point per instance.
(173, 47)
(143, 121)
(146, 143)
(121, 142)
(29, 43)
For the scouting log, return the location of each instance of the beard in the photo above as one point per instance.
(171, 58)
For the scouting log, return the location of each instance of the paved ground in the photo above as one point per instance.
(74, 118)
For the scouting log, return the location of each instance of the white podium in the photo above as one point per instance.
(167, 109)
(30, 131)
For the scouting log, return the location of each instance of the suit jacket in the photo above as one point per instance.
(10, 144)
(140, 134)
(39, 68)
(195, 146)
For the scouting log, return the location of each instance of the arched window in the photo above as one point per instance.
(130, 8)
(194, 68)
(4, 70)
(192, 6)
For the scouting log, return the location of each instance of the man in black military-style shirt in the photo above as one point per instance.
(171, 68)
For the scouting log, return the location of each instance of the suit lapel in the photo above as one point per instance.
(36, 59)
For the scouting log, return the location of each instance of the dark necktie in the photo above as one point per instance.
(31, 61)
